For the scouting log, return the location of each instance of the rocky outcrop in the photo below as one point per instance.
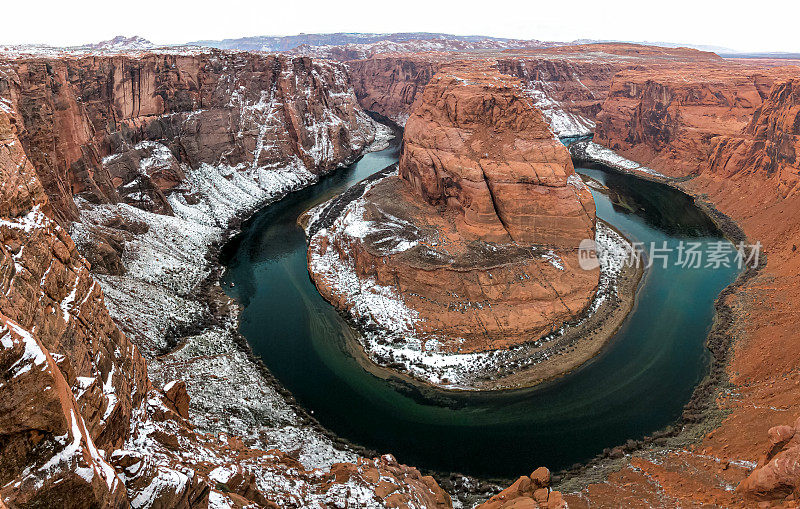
(482, 150)
(472, 247)
(70, 379)
(528, 492)
(778, 471)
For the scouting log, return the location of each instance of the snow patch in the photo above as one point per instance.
(600, 154)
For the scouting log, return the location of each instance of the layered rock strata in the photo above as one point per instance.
(730, 135)
(568, 84)
(200, 139)
(388, 85)
(473, 245)
(670, 118)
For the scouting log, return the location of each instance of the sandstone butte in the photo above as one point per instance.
(485, 194)
(730, 127)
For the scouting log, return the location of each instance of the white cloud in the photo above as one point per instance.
(769, 25)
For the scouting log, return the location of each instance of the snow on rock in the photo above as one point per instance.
(562, 123)
(388, 335)
(594, 152)
(73, 452)
(154, 301)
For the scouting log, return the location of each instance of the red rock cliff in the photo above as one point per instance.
(389, 84)
(210, 108)
(669, 118)
(70, 379)
(474, 143)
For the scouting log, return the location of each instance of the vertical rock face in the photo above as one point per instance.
(70, 379)
(568, 84)
(668, 118)
(389, 85)
(570, 93)
(473, 245)
(119, 129)
(768, 146)
(476, 144)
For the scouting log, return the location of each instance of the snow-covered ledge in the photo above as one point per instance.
(594, 152)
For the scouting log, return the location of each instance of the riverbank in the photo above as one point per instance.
(188, 327)
(702, 413)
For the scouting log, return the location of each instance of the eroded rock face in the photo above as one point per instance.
(473, 245)
(70, 379)
(389, 84)
(119, 129)
(567, 83)
(528, 492)
(769, 144)
(475, 144)
(670, 118)
(569, 92)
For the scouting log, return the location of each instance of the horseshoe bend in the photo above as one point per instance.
(398, 270)
(471, 244)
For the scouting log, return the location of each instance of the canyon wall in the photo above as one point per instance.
(670, 118)
(767, 147)
(388, 85)
(71, 379)
(568, 84)
(213, 108)
(145, 161)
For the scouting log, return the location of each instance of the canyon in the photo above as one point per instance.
(121, 176)
(89, 421)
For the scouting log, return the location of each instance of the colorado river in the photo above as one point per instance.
(639, 383)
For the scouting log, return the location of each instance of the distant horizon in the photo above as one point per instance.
(666, 44)
(761, 31)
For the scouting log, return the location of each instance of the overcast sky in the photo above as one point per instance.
(768, 25)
